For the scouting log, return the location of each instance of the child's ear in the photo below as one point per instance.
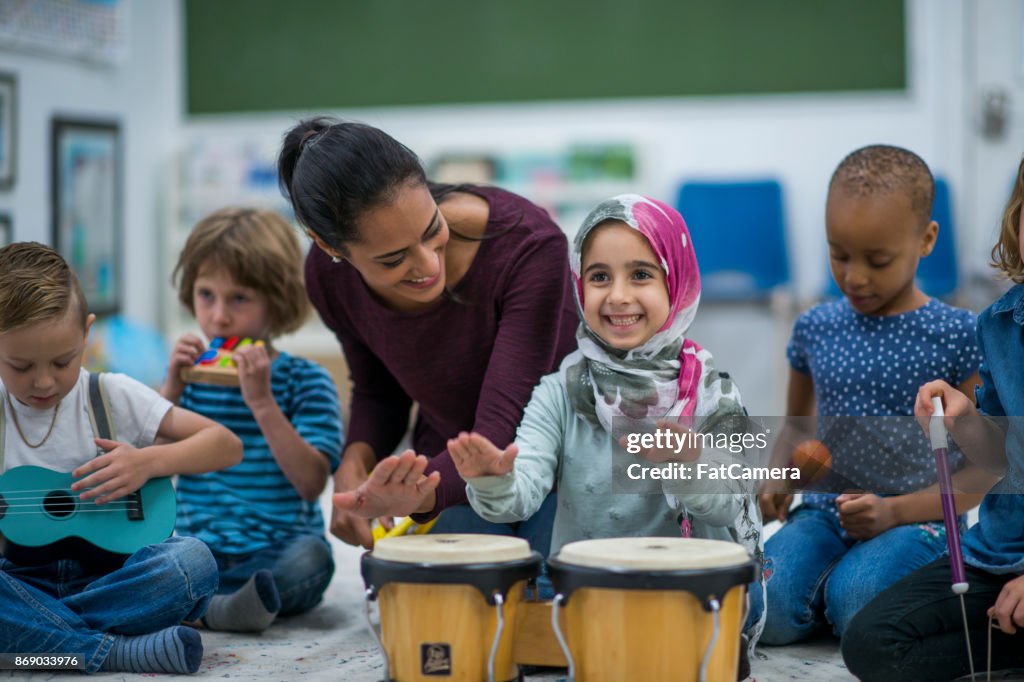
(88, 325)
(931, 233)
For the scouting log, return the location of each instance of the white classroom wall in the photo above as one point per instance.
(143, 93)
(796, 138)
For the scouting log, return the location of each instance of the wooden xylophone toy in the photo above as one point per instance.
(216, 365)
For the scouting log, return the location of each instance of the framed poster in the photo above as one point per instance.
(8, 134)
(86, 194)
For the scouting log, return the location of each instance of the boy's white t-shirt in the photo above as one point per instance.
(136, 412)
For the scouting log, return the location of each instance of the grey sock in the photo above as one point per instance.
(251, 609)
(172, 650)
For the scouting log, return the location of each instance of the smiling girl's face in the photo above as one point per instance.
(625, 297)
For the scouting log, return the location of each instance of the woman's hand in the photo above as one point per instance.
(353, 530)
(475, 456)
(356, 462)
(395, 487)
(347, 527)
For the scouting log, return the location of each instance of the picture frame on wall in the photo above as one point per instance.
(86, 195)
(8, 134)
(6, 230)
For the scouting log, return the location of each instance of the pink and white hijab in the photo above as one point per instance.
(669, 375)
(663, 376)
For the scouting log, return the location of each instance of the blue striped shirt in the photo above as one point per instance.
(252, 505)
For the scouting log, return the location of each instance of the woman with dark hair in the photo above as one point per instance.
(457, 298)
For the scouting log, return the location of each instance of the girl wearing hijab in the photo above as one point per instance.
(637, 288)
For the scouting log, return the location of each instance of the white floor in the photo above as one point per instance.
(333, 643)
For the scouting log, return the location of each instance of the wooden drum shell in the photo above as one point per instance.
(414, 615)
(439, 596)
(644, 608)
(617, 634)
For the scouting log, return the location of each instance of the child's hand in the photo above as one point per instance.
(395, 487)
(954, 404)
(864, 515)
(689, 453)
(475, 456)
(253, 364)
(186, 350)
(121, 471)
(775, 506)
(1009, 607)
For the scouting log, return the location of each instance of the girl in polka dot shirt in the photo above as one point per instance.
(866, 355)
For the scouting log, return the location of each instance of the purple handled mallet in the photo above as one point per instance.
(940, 446)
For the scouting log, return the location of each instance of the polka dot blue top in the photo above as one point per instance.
(872, 366)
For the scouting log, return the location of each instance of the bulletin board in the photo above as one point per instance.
(266, 55)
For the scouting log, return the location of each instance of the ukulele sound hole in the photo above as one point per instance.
(59, 504)
(3, 506)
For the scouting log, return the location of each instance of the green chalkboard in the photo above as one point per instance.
(264, 55)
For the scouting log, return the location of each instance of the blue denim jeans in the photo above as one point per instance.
(60, 608)
(302, 569)
(815, 573)
(536, 530)
(756, 603)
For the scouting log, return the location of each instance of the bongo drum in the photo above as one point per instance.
(651, 608)
(448, 604)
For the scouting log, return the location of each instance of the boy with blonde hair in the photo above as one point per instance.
(115, 613)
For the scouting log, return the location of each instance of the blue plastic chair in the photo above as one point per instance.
(937, 274)
(738, 231)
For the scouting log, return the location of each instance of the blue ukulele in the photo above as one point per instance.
(38, 507)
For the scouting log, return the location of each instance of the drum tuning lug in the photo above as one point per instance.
(714, 607)
(499, 602)
(371, 595)
(556, 604)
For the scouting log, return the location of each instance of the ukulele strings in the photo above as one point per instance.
(12, 498)
(35, 502)
(78, 511)
(43, 490)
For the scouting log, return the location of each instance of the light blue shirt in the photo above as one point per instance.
(556, 445)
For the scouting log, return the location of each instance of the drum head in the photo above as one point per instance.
(451, 548)
(653, 554)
